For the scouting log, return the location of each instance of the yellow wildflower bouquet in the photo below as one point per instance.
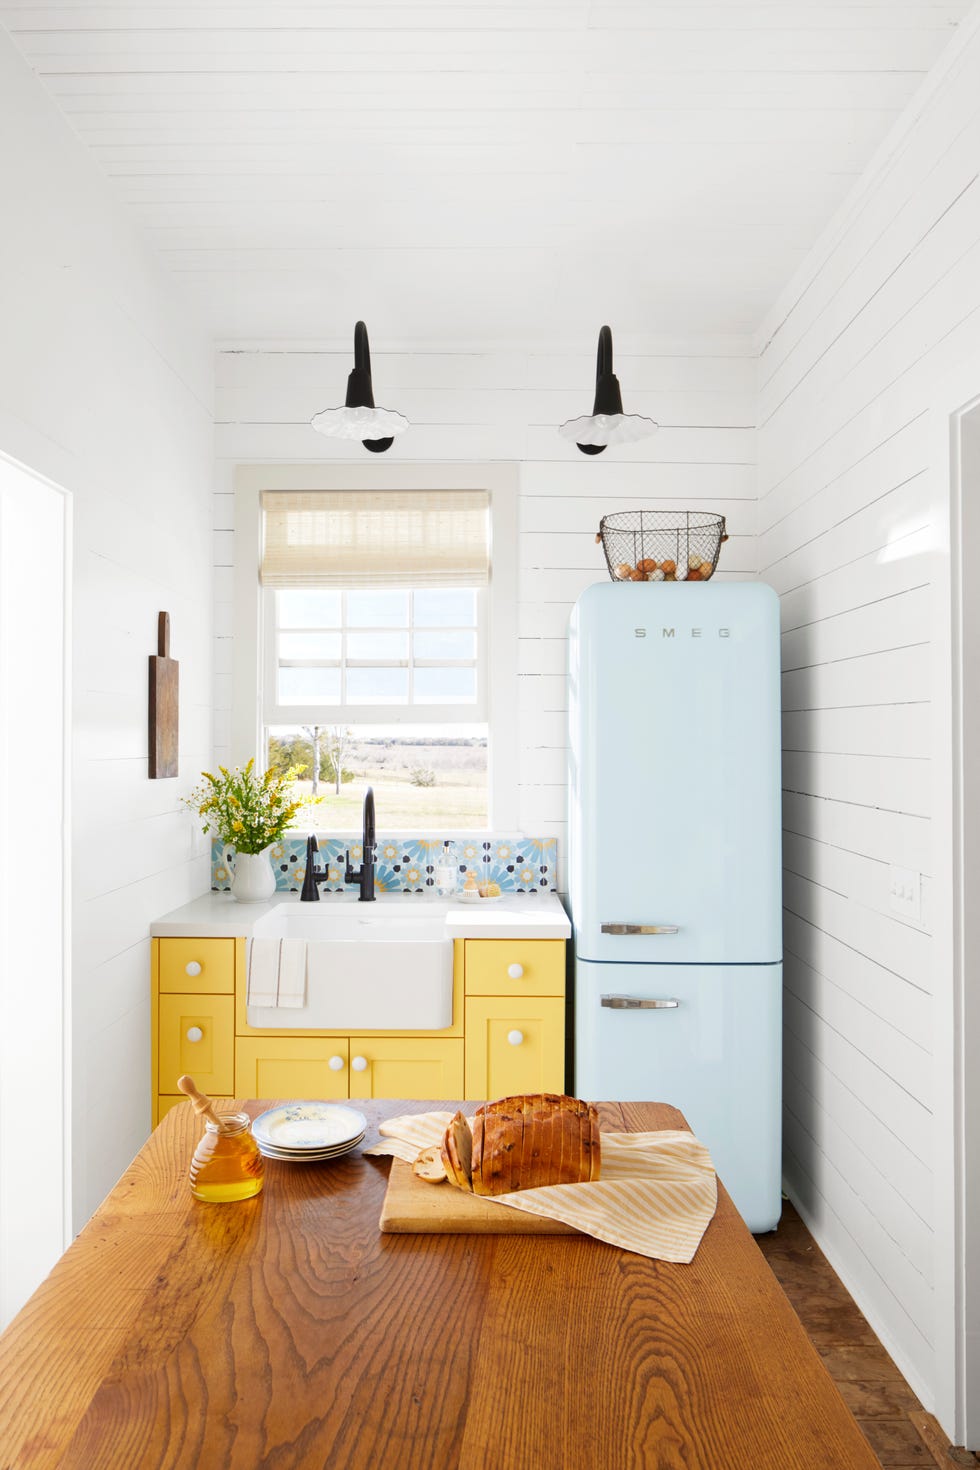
(248, 811)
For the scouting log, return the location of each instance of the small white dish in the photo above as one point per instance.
(464, 897)
(305, 1126)
(309, 1156)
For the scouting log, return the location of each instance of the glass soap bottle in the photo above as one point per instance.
(227, 1164)
(445, 874)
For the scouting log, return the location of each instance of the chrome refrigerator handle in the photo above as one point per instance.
(638, 1003)
(640, 928)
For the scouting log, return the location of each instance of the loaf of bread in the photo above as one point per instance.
(523, 1142)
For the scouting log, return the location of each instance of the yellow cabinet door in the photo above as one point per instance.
(197, 1035)
(197, 966)
(291, 1067)
(515, 966)
(415, 1067)
(164, 1104)
(514, 1045)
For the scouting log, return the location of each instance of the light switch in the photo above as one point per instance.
(905, 894)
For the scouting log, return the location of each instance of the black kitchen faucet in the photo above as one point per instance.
(364, 875)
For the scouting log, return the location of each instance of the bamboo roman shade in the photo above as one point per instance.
(375, 538)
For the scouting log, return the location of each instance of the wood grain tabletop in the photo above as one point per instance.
(287, 1332)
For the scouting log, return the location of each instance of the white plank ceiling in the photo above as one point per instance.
(469, 172)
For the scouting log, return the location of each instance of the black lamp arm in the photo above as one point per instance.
(604, 355)
(608, 397)
(360, 390)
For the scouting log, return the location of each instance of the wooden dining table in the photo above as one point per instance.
(287, 1332)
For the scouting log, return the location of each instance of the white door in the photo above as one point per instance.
(967, 1000)
(34, 559)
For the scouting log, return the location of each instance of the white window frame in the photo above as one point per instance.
(454, 713)
(252, 653)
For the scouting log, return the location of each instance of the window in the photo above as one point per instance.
(384, 639)
(341, 654)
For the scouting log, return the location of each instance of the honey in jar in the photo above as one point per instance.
(227, 1164)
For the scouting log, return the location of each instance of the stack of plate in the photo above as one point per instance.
(308, 1132)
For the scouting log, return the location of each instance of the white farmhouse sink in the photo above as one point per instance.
(386, 965)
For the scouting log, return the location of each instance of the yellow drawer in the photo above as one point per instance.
(291, 1067)
(414, 1067)
(197, 966)
(515, 966)
(197, 1036)
(164, 1104)
(514, 1046)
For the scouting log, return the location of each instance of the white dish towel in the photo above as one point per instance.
(276, 971)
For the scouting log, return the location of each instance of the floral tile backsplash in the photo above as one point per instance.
(408, 864)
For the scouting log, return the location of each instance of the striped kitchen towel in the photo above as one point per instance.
(656, 1196)
(276, 972)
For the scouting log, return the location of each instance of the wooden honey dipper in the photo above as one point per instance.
(202, 1103)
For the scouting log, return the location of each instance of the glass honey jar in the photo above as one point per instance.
(227, 1164)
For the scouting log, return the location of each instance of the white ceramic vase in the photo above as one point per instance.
(253, 880)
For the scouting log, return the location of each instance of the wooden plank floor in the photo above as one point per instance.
(899, 1430)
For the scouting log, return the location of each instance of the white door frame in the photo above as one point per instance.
(956, 932)
(35, 1046)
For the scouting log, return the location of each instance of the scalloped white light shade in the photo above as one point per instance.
(608, 428)
(359, 423)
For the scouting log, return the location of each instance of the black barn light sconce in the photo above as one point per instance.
(359, 419)
(607, 424)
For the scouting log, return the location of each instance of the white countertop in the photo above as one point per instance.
(517, 916)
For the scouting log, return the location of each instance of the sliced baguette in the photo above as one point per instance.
(462, 1137)
(523, 1142)
(595, 1148)
(479, 1119)
(430, 1166)
(503, 1130)
(456, 1153)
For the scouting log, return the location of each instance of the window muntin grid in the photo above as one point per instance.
(368, 648)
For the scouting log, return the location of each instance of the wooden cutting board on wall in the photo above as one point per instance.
(164, 687)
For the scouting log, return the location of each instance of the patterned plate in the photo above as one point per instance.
(309, 1156)
(298, 1127)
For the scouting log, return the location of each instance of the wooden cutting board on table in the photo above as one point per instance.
(164, 685)
(413, 1207)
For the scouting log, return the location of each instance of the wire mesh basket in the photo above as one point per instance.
(661, 545)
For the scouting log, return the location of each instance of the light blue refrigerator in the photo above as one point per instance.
(674, 864)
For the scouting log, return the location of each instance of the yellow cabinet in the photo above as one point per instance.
(164, 1104)
(197, 966)
(515, 966)
(358, 1066)
(292, 1066)
(415, 1067)
(514, 1045)
(197, 1035)
(507, 1033)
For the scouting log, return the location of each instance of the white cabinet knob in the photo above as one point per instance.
(359, 1064)
(192, 968)
(194, 1033)
(515, 1037)
(336, 1064)
(515, 971)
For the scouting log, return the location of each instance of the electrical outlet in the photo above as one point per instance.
(905, 894)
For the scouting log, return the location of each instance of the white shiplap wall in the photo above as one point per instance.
(489, 406)
(104, 390)
(851, 357)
